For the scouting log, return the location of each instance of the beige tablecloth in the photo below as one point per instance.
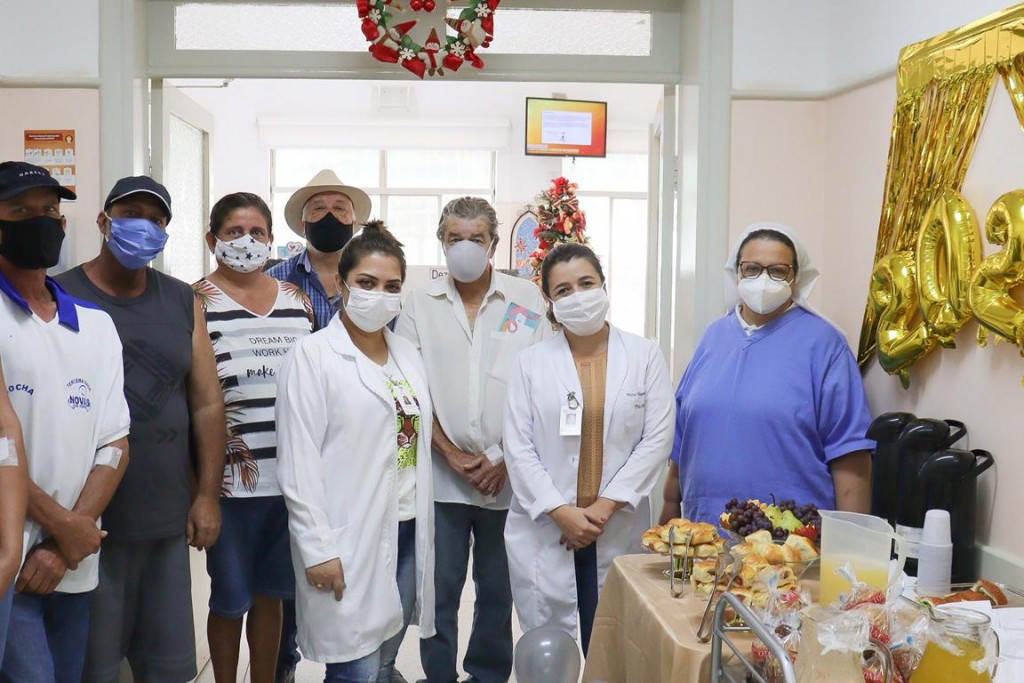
(644, 635)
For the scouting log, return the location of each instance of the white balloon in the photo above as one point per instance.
(547, 654)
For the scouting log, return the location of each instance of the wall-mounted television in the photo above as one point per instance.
(566, 128)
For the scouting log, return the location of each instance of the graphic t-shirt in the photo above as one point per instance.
(407, 416)
(249, 351)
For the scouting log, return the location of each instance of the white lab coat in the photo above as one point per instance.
(639, 422)
(337, 463)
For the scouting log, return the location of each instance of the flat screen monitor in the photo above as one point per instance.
(566, 128)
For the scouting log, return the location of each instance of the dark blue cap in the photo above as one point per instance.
(135, 184)
(17, 177)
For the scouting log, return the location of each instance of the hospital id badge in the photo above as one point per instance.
(571, 421)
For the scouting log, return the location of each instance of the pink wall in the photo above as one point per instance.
(46, 109)
(821, 167)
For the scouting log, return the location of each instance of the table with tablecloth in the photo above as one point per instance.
(644, 635)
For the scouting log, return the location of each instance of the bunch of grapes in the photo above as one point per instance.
(808, 514)
(747, 517)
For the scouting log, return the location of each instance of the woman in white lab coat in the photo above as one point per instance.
(588, 427)
(353, 421)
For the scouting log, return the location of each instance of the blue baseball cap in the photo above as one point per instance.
(17, 177)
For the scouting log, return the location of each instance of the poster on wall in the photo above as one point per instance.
(55, 151)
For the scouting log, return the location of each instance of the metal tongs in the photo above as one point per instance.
(684, 574)
(704, 631)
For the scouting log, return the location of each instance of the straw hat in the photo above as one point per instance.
(324, 181)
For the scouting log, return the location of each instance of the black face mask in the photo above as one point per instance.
(328, 234)
(32, 243)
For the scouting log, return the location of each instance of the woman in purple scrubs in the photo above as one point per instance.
(772, 401)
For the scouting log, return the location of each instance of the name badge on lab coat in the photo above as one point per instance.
(571, 420)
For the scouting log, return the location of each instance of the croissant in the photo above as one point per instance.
(779, 554)
(703, 571)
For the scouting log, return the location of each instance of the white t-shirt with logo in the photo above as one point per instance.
(65, 378)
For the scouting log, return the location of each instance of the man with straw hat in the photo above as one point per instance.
(324, 212)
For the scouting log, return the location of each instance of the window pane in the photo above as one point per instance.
(245, 26)
(356, 167)
(186, 251)
(571, 32)
(614, 173)
(413, 220)
(627, 281)
(438, 168)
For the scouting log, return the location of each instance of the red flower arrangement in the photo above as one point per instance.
(561, 220)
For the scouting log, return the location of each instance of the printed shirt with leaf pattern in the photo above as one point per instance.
(249, 350)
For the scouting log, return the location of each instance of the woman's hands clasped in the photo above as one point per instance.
(327, 577)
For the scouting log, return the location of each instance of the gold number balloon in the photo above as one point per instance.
(903, 338)
(989, 293)
(948, 251)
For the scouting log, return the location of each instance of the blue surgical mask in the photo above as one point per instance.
(135, 242)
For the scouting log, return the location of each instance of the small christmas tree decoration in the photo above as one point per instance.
(561, 220)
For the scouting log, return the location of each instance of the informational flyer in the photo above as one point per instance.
(55, 151)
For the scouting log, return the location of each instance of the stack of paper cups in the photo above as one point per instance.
(935, 558)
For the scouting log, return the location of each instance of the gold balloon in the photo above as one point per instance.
(989, 294)
(902, 336)
(948, 251)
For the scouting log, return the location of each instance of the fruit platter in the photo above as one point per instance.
(779, 519)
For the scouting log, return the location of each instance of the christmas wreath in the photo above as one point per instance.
(561, 220)
(390, 40)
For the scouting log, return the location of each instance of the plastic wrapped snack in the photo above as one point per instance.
(781, 613)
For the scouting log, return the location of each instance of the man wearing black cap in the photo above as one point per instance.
(142, 609)
(62, 363)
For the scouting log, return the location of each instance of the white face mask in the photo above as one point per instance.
(466, 260)
(763, 294)
(244, 254)
(583, 313)
(372, 310)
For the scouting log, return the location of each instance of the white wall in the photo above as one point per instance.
(812, 47)
(49, 38)
(778, 169)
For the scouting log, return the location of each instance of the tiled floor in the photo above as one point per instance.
(311, 672)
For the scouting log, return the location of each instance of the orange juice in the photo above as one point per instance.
(939, 665)
(833, 583)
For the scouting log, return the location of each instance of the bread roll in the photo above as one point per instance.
(777, 577)
(759, 537)
(704, 533)
(704, 571)
(803, 546)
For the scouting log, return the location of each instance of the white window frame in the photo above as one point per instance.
(663, 65)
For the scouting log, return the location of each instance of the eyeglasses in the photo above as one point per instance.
(779, 272)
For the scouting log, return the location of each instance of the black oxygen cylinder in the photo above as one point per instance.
(885, 465)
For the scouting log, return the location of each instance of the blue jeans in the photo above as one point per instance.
(46, 638)
(378, 666)
(5, 617)
(489, 655)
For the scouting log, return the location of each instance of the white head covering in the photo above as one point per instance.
(807, 273)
